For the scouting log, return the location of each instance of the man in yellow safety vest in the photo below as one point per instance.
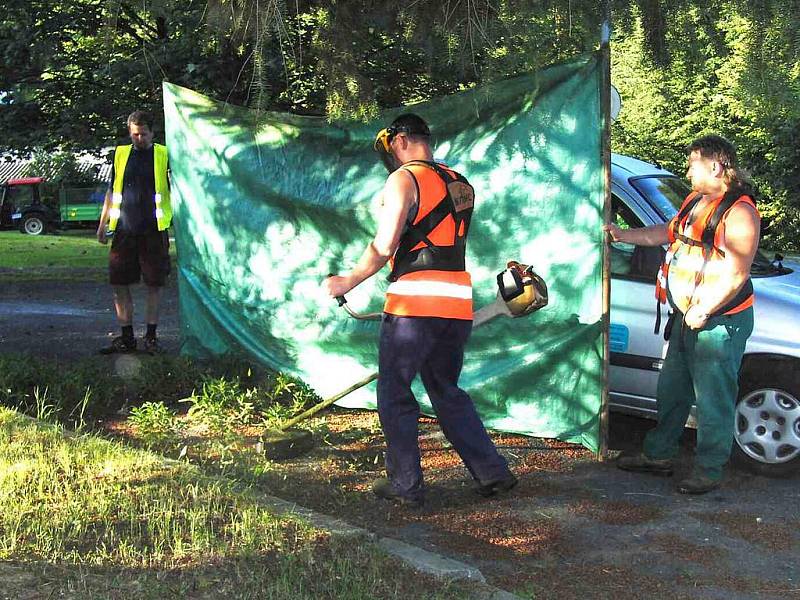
(137, 211)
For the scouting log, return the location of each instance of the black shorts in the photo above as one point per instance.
(134, 257)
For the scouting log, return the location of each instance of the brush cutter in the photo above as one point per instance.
(520, 292)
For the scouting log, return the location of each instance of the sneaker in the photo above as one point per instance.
(498, 486)
(120, 345)
(151, 345)
(640, 463)
(698, 484)
(383, 488)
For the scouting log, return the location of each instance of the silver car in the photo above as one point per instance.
(767, 427)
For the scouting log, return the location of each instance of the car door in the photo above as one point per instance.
(636, 352)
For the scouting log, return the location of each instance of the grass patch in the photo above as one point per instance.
(76, 250)
(73, 255)
(85, 517)
(224, 393)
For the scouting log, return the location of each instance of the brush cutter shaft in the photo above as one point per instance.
(327, 402)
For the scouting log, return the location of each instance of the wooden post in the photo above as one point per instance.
(605, 108)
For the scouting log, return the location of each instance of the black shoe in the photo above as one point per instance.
(640, 463)
(383, 488)
(120, 345)
(151, 345)
(498, 486)
(697, 484)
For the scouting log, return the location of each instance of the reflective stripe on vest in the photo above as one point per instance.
(445, 294)
(163, 210)
(691, 270)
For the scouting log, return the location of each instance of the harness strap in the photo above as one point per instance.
(417, 233)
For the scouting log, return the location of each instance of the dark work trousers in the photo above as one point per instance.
(434, 348)
(703, 370)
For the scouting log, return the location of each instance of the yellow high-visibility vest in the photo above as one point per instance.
(163, 205)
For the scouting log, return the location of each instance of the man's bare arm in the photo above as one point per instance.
(654, 235)
(398, 195)
(101, 228)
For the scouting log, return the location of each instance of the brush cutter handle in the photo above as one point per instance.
(340, 299)
(360, 316)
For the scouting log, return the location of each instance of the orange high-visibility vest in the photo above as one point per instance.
(428, 277)
(694, 260)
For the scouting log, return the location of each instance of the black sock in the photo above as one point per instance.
(151, 331)
(127, 333)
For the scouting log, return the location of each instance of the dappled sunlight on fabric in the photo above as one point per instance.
(479, 148)
(297, 199)
(276, 134)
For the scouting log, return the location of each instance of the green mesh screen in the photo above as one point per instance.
(266, 205)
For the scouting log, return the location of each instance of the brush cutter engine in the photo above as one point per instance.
(521, 289)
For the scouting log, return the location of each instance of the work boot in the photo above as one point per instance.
(151, 345)
(642, 464)
(498, 486)
(383, 488)
(120, 345)
(698, 484)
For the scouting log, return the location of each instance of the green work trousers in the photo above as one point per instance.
(702, 369)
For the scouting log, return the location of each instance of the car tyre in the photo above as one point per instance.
(33, 224)
(767, 422)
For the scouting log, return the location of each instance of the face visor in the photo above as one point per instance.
(383, 146)
(383, 143)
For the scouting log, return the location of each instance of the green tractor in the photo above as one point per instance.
(22, 207)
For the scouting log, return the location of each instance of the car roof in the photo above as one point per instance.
(633, 166)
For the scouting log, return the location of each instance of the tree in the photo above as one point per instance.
(73, 70)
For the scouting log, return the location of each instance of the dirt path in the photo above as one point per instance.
(573, 528)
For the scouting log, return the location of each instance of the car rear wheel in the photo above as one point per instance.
(32, 224)
(767, 426)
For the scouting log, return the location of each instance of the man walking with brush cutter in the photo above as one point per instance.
(422, 232)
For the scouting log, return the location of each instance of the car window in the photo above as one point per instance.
(666, 193)
(620, 251)
(629, 261)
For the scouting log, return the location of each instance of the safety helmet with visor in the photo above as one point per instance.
(409, 124)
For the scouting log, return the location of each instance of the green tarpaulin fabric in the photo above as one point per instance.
(266, 205)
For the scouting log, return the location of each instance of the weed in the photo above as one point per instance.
(168, 379)
(44, 409)
(156, 425)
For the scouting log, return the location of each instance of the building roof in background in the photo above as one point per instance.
(92, 166)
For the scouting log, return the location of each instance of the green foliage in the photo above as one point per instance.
(222, 405)
(733, 74)
(168, 379)
(223, 394)
(70, 394)
(57, 167)
(72, 71)
(156, 425)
